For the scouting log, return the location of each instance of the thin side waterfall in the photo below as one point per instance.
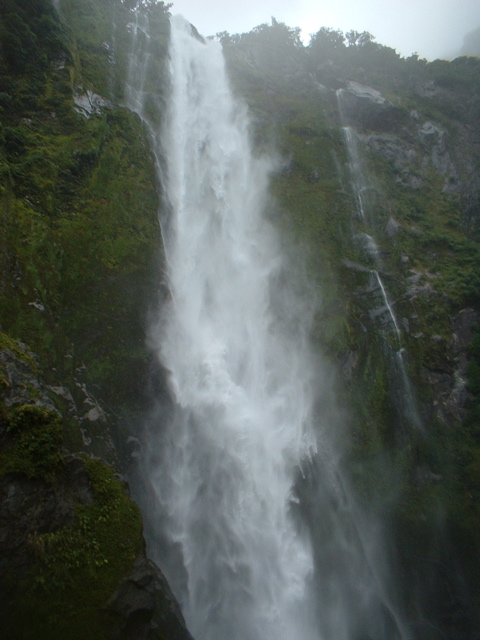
(359, 187)
(139, 57)
(387, 303)
(404, 397)
(234, 339)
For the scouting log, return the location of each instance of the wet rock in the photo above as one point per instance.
(144, 608)
(367, 93)
(22, 383)
(88, 103)
(418, 284)
(38, 304)
(392, 228)
(451, 396)
(31, 506)
(392, 148)
(462, 334)
(348, 365)
(94, 414)
(365, 106)
(428, 89)
(414, 182)
(65, 393)
(429, 131)
(450, 387)
(355, 266)
(462, 325)
(435, 141)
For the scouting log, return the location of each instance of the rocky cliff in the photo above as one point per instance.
(78, 253)
(377, 184)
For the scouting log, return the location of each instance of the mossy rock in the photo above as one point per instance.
(76, 567)
(33, 443)
(19, 351)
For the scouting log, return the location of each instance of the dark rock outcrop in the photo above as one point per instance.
(144, 608)
(31, 506)
(366, 107)
(48, 509)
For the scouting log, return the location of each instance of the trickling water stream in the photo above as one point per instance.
(403, 395)
(358, 183)
(360, 188)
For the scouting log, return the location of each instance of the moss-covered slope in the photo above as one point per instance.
(79, 205)
(392, 199)
(78, 271)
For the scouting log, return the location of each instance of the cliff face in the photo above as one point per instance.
(378, 185)
(78, 256)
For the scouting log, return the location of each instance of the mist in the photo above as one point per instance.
(431, 28)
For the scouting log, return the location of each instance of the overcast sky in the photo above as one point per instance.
(431, 28)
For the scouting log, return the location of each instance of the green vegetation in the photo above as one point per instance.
(78, 566)
(34, 440)
(79, 263)
(90, 529)
(6, 342)
(420, 472)
(78, 199)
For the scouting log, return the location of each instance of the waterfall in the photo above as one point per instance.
(356, 174)
(234, 340)
(403, 395)
(387, 303)
(249, 512)
(361, 188)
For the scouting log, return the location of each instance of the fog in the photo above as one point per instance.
(431, 28)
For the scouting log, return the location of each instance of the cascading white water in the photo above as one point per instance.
(359, 188)
(234, 340)
(218, 483)
(388, 306)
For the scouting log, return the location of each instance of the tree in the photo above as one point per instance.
(327, 39)
(326, 45)
(147, 4)
(357, 39)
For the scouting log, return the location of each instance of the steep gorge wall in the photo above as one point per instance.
(404, 209)
(79, 264)
(79, 259)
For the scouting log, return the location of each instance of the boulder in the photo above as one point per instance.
(144, 607)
